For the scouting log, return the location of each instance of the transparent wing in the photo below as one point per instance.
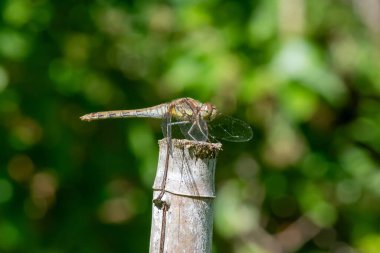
(230, 129)
(170, 129)
(173, 129)
(196, 130)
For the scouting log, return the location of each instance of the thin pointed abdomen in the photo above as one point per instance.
(158, 111)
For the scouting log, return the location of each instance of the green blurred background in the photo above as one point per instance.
(304, 74)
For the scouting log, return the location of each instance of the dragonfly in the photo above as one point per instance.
(196, 120)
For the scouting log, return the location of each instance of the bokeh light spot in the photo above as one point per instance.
(9, 102)
(123, 203)
(348, 191)
(323, 214)
(6, 191)
(13, 45)
(10, 236)
(298, 102)
(232, 215)
(285, 146)
(25, 132)
(43, 189)
(314, 165)
(76, 47)
(374, 183)
(66, 76)
(98, 89)
(4, 79)
(369, 243)
(17, 12)
(20, 168)
(115, 210)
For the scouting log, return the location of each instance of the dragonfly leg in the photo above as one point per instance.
(169, 130)
(204, 134)
(158, 201)
(169, 150)
(178, 123)
(170, 124)
(200, 129)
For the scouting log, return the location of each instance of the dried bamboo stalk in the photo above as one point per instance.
(189, 195)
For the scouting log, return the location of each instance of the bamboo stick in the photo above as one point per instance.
(184, 222)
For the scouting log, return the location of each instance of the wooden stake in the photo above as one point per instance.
(183, 223)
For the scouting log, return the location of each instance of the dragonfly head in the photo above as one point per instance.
(208, 112)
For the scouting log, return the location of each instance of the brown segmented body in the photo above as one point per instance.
(182, 109)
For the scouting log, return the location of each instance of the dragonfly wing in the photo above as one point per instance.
(196, 130)
(167, 132)
(230, 129)
(183, 128)
(175, 129)
(165, 126)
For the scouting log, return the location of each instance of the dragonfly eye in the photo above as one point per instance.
(208, 112)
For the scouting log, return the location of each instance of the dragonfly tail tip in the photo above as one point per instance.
(85, 118)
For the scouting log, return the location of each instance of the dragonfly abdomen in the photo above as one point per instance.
(158, 111)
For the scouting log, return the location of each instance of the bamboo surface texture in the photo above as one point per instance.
(189, 194)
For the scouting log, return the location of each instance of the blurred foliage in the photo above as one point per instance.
(304, 74)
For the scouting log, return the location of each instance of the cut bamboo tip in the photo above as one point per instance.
(200, 149)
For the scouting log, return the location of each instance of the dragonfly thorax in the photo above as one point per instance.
(188, 109)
